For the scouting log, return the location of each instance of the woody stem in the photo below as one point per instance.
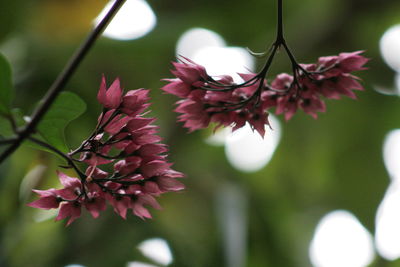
(62, 79)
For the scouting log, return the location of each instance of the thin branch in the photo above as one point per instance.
(279, 31)
(58, 152)
(62, 79)
(7, 141)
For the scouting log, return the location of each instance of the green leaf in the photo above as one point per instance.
(67, 107)
(6, 88)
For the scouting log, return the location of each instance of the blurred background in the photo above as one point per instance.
(322, 193)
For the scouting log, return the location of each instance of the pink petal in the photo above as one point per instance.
(152, 188)
(177, 87)
(137, 123)
(45, 193)
(120, 205)
(95, 205)
(48, 202)
(101, 95)
(140, 211)
(169, 184)
(70, 193)
(155, 168)
(132, 147)
(147, 199)
(67, 181)
(116, 124)
(114, 94)
(96, 173)
(148, 139)
(69, 209)
(128, 165)
(152, 149)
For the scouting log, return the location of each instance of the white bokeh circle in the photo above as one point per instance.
(341, 240)
(390, 47)
(195, 39)
(135, 19)
(247, 151)
(391, 154)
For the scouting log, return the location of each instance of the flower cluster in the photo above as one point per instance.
(133, 163)
(206, 99)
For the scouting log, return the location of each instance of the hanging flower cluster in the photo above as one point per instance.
(133, 163)
(219, 100)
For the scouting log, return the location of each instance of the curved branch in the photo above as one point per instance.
(7, 141)
(61, 80)
(64, 156)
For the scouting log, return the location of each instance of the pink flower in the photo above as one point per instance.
(110, 98)
(282, 82)
(193, 114)
(312, 105)
(134, 102)
(95, 203)
(128, 142)
(120, 204)
(287, 105)
(49, 199)
(349, 62)
(188, 71)
(143, 199)
(206, 99)
(177, 87)
(258, 121)
(166, 184)
(68, 198)
(71, 210)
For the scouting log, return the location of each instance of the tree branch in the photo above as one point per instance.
(62, 80)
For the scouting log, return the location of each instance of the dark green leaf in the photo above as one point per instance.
(5, 85)
(67, 107)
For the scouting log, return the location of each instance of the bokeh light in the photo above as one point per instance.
(156, 249)
(218, 138)
(341, 240)
(195, 39)
(225, 61)
(208, 49)
(391, 154)
(134, 20)
(139, 264)
(390, 47)
(387, 232)
(247, 151)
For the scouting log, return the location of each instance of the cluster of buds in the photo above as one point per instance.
(133, 168)
(206, 99)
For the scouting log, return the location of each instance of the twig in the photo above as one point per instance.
(61, 80)
(58, 152)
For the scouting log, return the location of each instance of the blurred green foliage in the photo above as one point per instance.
(319, 166)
